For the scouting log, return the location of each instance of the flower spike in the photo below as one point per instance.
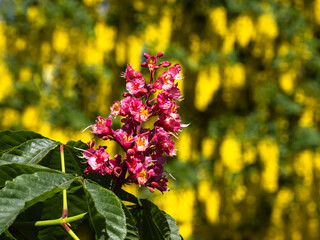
(145, 149)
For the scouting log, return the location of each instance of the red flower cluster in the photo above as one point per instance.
(145, 148)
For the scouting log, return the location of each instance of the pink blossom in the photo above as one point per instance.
(150, 63)
(163, 141)
(123, 138)
(137, 87)
(102, 127)
(96, 159)
(164, 101)
(174, 92)
(142, 143)
(144, 114)
(131, 74)
(115, 109)
(141, 174)
(165, 81)
(134, 108)
(168, 123)
(174, 70)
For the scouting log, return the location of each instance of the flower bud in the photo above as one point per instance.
(144, 64)
(160, 54)
(125, 94)
(154, 184)
(130, 151)
(165, 63)
(146, 55)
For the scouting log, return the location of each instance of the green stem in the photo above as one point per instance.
(65, 201)
(73, 235)
(69, 231)
(64, 191)
(60, 221)
(63, 168)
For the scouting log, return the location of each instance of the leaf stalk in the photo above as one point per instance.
(60, 221)
(64, 191)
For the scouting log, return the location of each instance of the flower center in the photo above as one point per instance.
(116, 107)
(144, 112)
(141, 141)
(173, 108)
(166, 78)
(150, 61)
(142, 177)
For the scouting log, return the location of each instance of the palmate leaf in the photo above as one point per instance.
(26, 190)
(29, 152)
(105, 211)
(13, 139)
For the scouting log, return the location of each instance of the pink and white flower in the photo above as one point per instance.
(145, 148)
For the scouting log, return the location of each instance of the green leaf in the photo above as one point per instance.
(146, 227)
(156, 216)
(151, 221)
(10, 171)
(132, 231)
(13, 139)
(125, 196)
(30, 152)
(72, 155)
(23, 226)
(26, 190)
(174, 235)
(105, 210)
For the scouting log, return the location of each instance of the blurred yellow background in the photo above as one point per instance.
(248, 167)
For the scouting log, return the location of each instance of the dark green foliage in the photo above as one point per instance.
(31, 193)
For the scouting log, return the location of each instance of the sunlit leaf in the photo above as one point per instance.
(174, 235)
(10, 171)
(13, 139)
(30, 152)
(26, 190)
